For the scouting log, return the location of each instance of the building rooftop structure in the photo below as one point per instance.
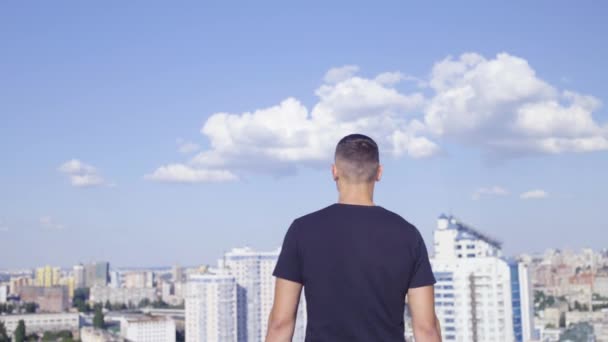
(467, 232)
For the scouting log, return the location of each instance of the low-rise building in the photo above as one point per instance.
(103, 294)
(49, 299)
(600, 285)
(148, 329)
(40, 323)
(90, 334)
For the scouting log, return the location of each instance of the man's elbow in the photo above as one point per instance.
(430, 331)
(280, 324)
(280, 328)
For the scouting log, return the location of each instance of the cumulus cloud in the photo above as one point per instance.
(489, 192)
(335, 75)
(186, 147)
(279, 138)
(498, 105)
(47, 222)
(181, 173)
(81, 174)
(502, 106)
(534, 194)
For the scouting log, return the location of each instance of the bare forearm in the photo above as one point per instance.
(280, 332)
(429, 333)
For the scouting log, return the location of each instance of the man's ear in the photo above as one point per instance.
(334, 172)
(379, 173)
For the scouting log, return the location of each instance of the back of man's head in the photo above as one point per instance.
(357, 158)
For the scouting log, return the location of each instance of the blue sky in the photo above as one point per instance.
(473, 105)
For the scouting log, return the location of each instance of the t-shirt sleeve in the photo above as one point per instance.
(423, 274)
(289, 263)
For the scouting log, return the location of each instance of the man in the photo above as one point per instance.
(356, 261)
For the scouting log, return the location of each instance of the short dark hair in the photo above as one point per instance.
(358, 158)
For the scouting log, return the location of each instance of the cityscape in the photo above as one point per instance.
(154, 154)
(480, 295)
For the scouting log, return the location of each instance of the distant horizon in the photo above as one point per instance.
(169, 267)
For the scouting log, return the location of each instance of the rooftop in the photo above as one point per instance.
(466, 231)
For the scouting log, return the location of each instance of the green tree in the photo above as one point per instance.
(30, 307)
(144, 303)
(160, 304)
(3, 334)
(49, 336)
(63, 335)
(98, 319)
(20, 331)
(81, 296)
(108, 305)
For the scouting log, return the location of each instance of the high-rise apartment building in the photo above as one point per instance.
(211, 308)
(479, 295)
(47, 276)
(16, 283)
(95, 274)
(3, 293)
(255, 292)
(138, 279)
(177, 273)
(79, 276)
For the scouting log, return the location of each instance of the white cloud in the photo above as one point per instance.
(277, 139)
(502, 106)
(534, 194)
(339, 74)
(181, 173)
(489, 191)
(186, 147)
(49, 223)
(498, 105)
(81, 174)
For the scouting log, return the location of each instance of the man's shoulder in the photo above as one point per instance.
(388, 216)
(313, 216)
(402, 222)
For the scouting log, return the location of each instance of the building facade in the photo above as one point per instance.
(39, 323)
(47, 276)
(148, 329)
(255, 292)
(211, 308)
(4, 292)
(128, 296)
(479, 295)
(97, 274)
(137, 279)
(49, 299)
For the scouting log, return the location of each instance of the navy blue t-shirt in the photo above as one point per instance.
(356, 263)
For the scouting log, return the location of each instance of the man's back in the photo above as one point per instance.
(356, 263)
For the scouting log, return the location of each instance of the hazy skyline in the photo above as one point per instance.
(144, 134)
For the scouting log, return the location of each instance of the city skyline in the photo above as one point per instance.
(147, 135)
(480, 294)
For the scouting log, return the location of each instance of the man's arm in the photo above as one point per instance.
(282, 320)
(421, 301)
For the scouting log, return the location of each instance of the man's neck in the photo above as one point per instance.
(357, 195)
